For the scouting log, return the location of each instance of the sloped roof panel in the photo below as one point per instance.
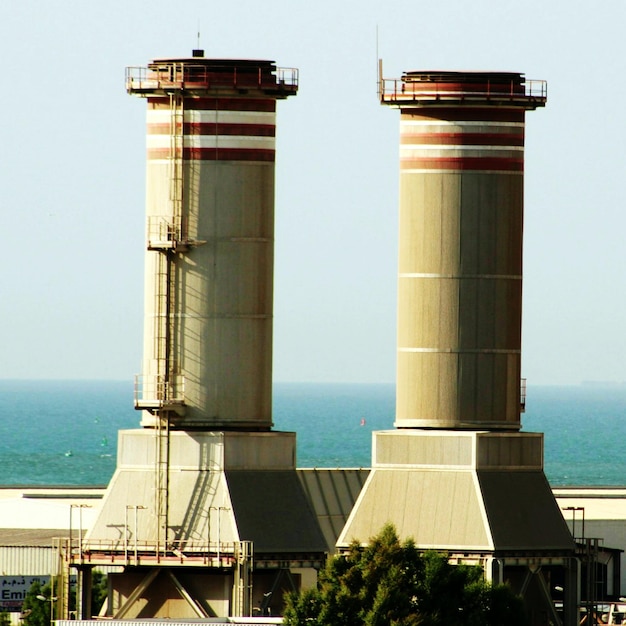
(522, 512)
(438, 509)
(272, 510)
(332, 494)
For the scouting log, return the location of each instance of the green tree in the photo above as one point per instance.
(389, 583)
(35, 610)
(99, 591)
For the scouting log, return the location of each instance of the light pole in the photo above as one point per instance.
(81, 573)
(52, 599)
(80, 508)
(133, 507)
(590, 563)
(219, 510)
(573, 509)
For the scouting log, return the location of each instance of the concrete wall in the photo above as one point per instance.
(162, 600)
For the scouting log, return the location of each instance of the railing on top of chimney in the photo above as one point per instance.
(403, 89)
(190, 76)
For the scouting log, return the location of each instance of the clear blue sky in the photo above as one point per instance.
(72, 175)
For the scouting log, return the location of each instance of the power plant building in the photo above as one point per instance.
(207, 514)
(32, 520)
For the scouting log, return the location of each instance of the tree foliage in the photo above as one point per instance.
(389, 583)
(35, 610)
(99, 591)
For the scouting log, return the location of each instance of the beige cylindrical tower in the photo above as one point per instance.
(210, 228)
(456, 474)
(206, 491)
(460, 247)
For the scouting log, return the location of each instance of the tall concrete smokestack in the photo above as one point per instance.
(205, 490)
(457, 475)
(210, 226)
(460, 248)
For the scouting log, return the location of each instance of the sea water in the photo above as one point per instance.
(65, 432)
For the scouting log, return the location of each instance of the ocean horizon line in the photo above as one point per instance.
(36, 379)
(334, 421)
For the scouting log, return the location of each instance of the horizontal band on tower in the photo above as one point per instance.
(466, 113)
(214, 154)
(196, 116)
(219, 316)
(462, 124)
(154, 142)
(459, 350)
(215, 128)
(479, 164)
(217, 104)
(460, 277)
(464, 150)
(462, 139)
(449, 171)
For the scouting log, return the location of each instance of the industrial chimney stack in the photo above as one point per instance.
(456, 474)
(210, 240)
(205, 491)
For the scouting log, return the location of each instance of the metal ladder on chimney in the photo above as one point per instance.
(165, 294)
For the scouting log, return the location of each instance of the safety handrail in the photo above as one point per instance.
(143, 546)
(199, 76)
(156, 390)
(398, 89)
(162, 228)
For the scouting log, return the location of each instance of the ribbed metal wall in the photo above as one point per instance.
(27, 560)
(34, 561)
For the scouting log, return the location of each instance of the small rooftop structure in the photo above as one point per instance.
(197, 76)
(430, 88)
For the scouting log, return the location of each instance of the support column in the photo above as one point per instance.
(242, 583)
(85, 580)
(570, 592)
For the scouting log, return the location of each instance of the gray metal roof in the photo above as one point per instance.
(499, 511)
(332, 494)
(30, 537)
(272, 510)
(438, 509)
(522, 512)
